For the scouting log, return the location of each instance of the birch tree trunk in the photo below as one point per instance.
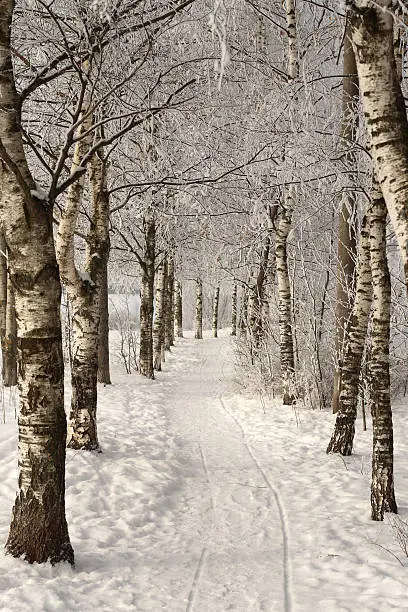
(384, 108)
(8, 323)
(178, 309)
(343, 435)
(287, 358)
(158, 329)
(293, 51)
(216, 301)
(169, 311)
(84, 292)
(103, 343)
(347, 243)
(146, 301)
(382, 484)
(164, 311)
(82, 433)
(199, 310)
(38, 530)
(234, 311)
(10, 353)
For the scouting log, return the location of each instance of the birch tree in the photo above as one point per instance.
(158, 329)
(382, 482)
(287, 356)
(372, 30)
(178, 309)
(83, 288)
(372, 26)
(8, 323)
(347, 249)
(343, 436)
(38, 530)
(284, 224)
(216, 301)
(103, 340)
(147, 298)
(199, 310)
(169, 305)
(10, 353)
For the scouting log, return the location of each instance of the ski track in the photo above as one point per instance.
(201, 562)
(278, 500)
(196, 580)
(282, 514)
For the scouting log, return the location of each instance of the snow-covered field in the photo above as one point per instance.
(207, 501)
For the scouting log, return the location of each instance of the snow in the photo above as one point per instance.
(85, 277)
(39, 193)
(206, 500)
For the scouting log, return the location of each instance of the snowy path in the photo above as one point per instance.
(205, 500)
(246, 531)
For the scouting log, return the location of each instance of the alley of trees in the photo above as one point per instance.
(239, 164)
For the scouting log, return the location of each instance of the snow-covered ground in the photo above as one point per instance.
(207, 501)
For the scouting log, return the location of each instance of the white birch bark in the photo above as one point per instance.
(347, 243)
(284, 226)
(158, 328)
(216, 302)
(8, 323)
(287, 358)
(83, 292)
(293, 47)
(169, 309)
(164, 311)
(38, 530)
(382, 483)
(10, 353)
(199, 310)
(178, 309)
(147, 298)
(384, 108)
(343, 435)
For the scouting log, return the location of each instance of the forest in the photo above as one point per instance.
(214, 189)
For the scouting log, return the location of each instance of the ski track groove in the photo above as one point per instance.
(207, 476)
(201, 561)
(196, 580)
(282, 516)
